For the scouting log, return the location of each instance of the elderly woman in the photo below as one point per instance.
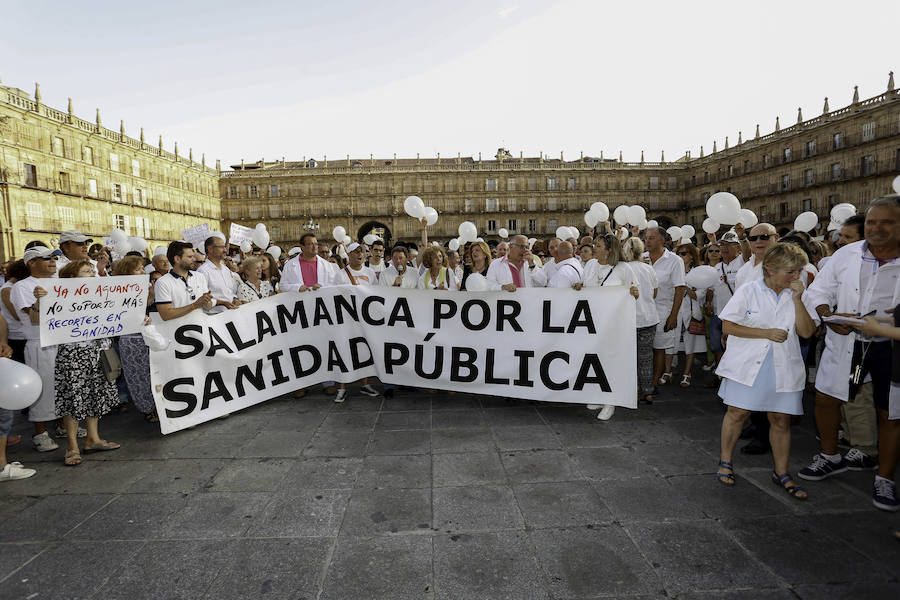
(436, 275)
(255, 285)
(646, 317)
(685, 341)
(480, 260)
(82, 389)
(762, 369)
(133, 352)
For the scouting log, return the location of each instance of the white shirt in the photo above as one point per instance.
(22, 297)
(449, 280)
(595, 274)
(15, 324)
(727, 273)
(747, 273)
(389, 275)
(364, 276)
(179, 292)
(499, 274)
(223, 282)
(645, 277)
(756, 305)
(377, 269)
(549, 267)
(568, 273)
(669, 275)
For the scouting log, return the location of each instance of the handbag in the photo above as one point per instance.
(696, 327)
(110, 363)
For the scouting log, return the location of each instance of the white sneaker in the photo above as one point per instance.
(607, 412)
(15, 470)
(61, 432)
(594, 406)
(340, 396)
(43, 442)
(709, 367)
(368, 390)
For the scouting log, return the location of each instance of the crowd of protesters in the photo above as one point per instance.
(766, 327)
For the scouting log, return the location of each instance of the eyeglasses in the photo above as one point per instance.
(525, 246)
(47, 257)
(77, 243)
(714, 252)
(763, 237)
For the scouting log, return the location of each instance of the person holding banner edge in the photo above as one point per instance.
(181, 290)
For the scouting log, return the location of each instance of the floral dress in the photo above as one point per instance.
(81, 386)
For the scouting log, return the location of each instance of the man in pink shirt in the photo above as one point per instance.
(517, 269)
(308, 271)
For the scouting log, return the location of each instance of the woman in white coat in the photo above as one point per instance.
(762, 369)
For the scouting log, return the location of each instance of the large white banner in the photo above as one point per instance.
(555, 345)
(87, 308)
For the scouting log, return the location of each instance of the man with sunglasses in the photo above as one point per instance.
(75, 246)
(720, 294)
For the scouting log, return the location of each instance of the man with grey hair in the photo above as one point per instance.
(516, 269)
(569, 272)
(860, 279)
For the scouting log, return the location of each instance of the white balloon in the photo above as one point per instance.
(503, 233)
(839, 216)
(246, 246)
(710, 226)
(160, 250)
(260, 226)
(370, 238)
(338, 233)
(806, 221)
(644, 224)
(260, 237)
(687, 231)
(896, 184)
(623, 234)
(702, 277)
(347, 240)
(601, 211)
(431, 215)
(675, 233)
(436, 244)
(467, 232)
(479, 239)
(636, 215)
(621, 214)
(414, 207)
(453, 245)
(724, 208)
(21, 385)
(748, 218)
(531, 242)
(562, 232)
(652, 224)
(118, 235)
(832, 226)
(137, 244)
(590, 219)
(576, 233)
(275, 251)
(476, 282)
(122, 248)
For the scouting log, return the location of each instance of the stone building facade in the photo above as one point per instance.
(60, 172)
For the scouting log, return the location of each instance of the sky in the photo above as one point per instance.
(294, 79)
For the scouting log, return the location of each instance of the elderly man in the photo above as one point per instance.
(74, 246)
(455, 264)
(860, 279)
(549, 265)
(160, 264)
(570, 271)
(501, 250)
(671, 287)
(222, 281)
(721, 293)
(517, 269)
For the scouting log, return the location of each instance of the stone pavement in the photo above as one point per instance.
(438, 496)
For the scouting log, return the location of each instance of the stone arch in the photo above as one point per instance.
(378, 228)
(664, 221)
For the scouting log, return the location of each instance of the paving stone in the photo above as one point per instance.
(457, 419)
(106, 477)
(272, 443)
(301, 513)
(177, 475)
(866, 532)
(562, 504)
(210, 445)
(323, 473)
(271, 569)
(215, 515)
(471, 468)
(751, 594)
(361, 421)
(487, 566)
(696, 555)
(462, 440)
(566, 414)
(342, 443)
(395, 471)
(718, 501)
(50, 478)
(647, 498)
(251, 475)
(51, 517)
(588, 562)
(678, 458)
(130, 517)
(513, 417)
(535, 437)
(476, 508)
(395, 421)
(385, 567)
(13, 556)
(455, 402)
(592, 434)
(849, 591)
(529, 466)
(609, 463)
(402, 401)
(400, 442)
(390, 510)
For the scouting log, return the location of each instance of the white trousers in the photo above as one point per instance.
(42, 360)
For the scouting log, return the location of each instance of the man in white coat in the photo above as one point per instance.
(859, 279)
(517, 269)
(569, 272)
(308, 271)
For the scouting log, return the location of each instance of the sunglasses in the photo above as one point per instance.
(47, 258)
(764, 237)
(714, 252)
(683, 253)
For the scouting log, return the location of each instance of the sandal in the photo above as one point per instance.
(685, 380)
(666, 378)
(12, 440)
(73, 458)
(726, 478)
(101, 446)
(787, 482)
(151, 417)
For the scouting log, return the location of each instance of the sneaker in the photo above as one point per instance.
(368, 390)
(594, 406)
(709, 367)
(606, 412)
(842, 439)
(857, 460)
(340, 396)
(61, 432)
(43, 442)
(15, 470)
(884, 495)
(821, 468)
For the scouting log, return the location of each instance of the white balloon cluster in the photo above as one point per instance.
(21, 385)
(598, 213)
(567, 233)
(122, 244)
(260, 236)
(415, 208)
(503, 233)
(724, 208)
(634, 216)
(340, 235)
(841, 212)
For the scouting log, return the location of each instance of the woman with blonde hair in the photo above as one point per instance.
(762, 369)
(437, 275)
(646, 317)
(480, 260)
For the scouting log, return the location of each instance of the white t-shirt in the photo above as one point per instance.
(669, 275)
(364, 276)
(223, 282)
(748, 272)
(595, 274)
(645, 277)
(568, 273)
(721, 293)
(179, 292)
(22, 297)
(15, 325)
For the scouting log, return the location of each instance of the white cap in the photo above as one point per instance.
(295, 251)
(36, 252)
(73, 236)
(352, 247)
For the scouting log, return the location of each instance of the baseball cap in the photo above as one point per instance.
(73, 235)
(36, 252)
(295, 251)
(352, 247)
(729, 237)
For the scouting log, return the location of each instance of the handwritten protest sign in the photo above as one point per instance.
(239, 233)
(196, 235)
(88, 308)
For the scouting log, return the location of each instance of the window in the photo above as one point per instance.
(94, 216)
(88, 153)
(552, 183)
(552, 224)
(490, 185)
(252, 191)
(672, 184)
(135, 167)
(491, 225)
(808, 178)
(532, 183)
(92, 187)
(273, 191)
(532, 204)
(693, 180)
(784, 210)
(113, 161)
(511, 204)
(867, 165)
(551, 204)
(274, 211)
(532, 225)
(807, 204)
(746, 166)
(121, 221)
(762, 210)
(117, 192)
(868, 131)
(142, 227)
(30, 175)
(467, 205)
(58, 147)
(731, 170)
(654, 183)
(570, 185)
(765, 160)
(449, 186)
(786, 155)
(810, 147)
(139, 197)
(232, 191)
(490, 204)
(837, 140)
(512, 224)
(835, 171)
(705, 176)
(34, 215)
(785, 182)
(66, 217)
(832, 200)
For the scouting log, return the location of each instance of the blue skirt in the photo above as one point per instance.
(761, 396)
